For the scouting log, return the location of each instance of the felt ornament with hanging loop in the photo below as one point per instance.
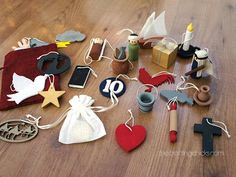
(131, 136)
(96, 50)
(181, 97)
(156, 79)
(51, 95)
(115, 84)
(133, 46)
(25, 87)
(209, 128)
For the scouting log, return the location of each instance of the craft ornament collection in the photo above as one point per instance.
(39, 82)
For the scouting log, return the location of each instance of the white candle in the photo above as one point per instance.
(188, 37)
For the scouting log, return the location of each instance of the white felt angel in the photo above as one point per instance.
(25, 87)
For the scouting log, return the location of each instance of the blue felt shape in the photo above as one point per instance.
(107, 94)
(181, 97)
(71, 36)
(34, 42)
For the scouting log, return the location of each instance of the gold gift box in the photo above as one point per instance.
(164, 56)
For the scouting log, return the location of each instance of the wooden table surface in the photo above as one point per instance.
(215, 26)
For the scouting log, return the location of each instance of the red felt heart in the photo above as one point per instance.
(129, 140)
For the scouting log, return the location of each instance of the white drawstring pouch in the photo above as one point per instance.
(81, 123)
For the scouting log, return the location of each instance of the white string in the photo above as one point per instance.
(103, 48)
(87, 52)
(131, 118)
(12, 88)
(127, 77)
(35, 121)
(88, 59)
(170, 101)
(51, 80)
(164, 42)
(131, 65)
(123, 30)
(93, 72)
(224, 128)
(114, 101)
(186, 86)
(106, 41)
(183, 36)
(102, 52)
(152, 41)
(46, 54)
(170, 39)
(164, 72)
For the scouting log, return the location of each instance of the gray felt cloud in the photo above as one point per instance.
(71, 36)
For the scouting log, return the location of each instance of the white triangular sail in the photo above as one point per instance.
(148, 22)
(209, 68)
(154, 27)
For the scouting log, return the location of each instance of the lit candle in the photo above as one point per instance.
(188, 37)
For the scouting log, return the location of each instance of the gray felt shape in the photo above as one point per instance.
(71, 36)
(181, 97)
(34, 42)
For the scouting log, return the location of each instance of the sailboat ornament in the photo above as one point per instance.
(153, 29)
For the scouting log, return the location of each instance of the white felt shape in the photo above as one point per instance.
(147, 24)
(20, 82)
(25, 87)
(209, 68)
(156, 27)
(81, 123)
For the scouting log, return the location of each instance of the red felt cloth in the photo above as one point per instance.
(146, 78)
(23, 62)
(129, 140)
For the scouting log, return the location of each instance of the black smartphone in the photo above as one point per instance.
(79, 77)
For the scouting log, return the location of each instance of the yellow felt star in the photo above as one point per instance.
(51, 96)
